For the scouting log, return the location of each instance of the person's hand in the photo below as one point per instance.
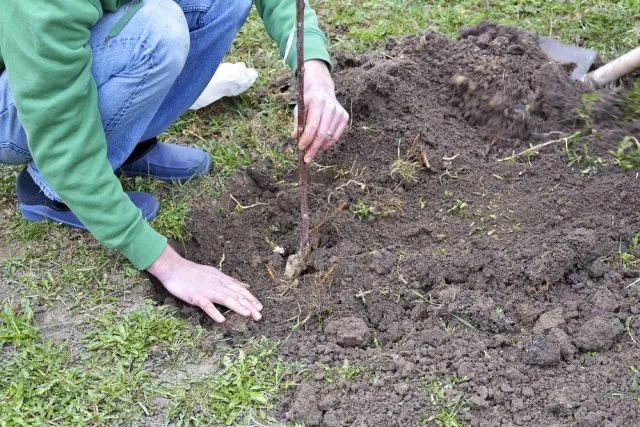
(326, 118)
(202, 286)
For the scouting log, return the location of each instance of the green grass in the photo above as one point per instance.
(115, 375)
(627, 155)
(112, 375)
(46, 382)
(448, 402)
(239, 393)
(345, 371)
(128, 339)
(606, 26)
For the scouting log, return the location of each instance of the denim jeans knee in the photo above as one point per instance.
(168, 37)
(12, 154)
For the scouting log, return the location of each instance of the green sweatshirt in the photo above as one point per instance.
(44, 49)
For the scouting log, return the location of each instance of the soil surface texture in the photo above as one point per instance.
(435, 266)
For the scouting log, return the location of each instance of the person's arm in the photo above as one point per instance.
(326, 118)
(44, 46)
(279, 17)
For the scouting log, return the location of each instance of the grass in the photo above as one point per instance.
(113, 373)
(346, 371)
(609, 27)
(449, 403)
(627, 155)
(45, 382)
(239, 393)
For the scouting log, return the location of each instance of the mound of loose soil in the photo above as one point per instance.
(473, 268)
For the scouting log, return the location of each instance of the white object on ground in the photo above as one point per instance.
(229, 80)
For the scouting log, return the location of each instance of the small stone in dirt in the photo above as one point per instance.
(194, 314)
(295, 265)
(598, 334)
(333, 419)
(401, 388)
(477, 402)
(564, 341)
(328, 401)
(542, 352)
(349, 331)
(419, 312)
(549, 320)
(209, 344)
(237, 324)
(517, 405)
(305, 406)
(560, 403)
(465, 369)
(604, 301)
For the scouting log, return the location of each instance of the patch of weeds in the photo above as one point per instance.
(80, 273)
(627, 328)
(631, 102)
(239, 393)
(448, 403)
(17, 328)
(171, 220)
(362, 210)
(422, 202)
(43, 382)
(458, 207)
(227, 156)
(448, 327)
(127, 339)
(581, 155)
(626, 257)
(346, 371)
(405, 170)
(627, 156)
(29, 231)
(7, 183)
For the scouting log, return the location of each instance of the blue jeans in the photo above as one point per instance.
(147, 76)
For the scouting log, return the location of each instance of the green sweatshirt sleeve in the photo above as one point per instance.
(45, 49)
(279, 17)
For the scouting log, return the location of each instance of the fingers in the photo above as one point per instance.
(338, 124)
(322, 136)
(325, 122)
(255, 312)
(237, 304)
(314, 115)
(211, 310)
(249, 297)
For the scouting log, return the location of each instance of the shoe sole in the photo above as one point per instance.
(39, 213)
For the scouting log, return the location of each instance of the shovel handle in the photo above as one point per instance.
(622, 66)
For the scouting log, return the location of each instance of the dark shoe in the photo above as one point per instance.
(166, 162)
(35, 206)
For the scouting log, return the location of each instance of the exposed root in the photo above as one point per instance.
(532, 150)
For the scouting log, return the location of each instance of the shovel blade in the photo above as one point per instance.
(561, 52)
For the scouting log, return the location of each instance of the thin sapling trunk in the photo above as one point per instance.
(304, 176)
(296, 262)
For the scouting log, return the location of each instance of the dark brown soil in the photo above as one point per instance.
(509, 290)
